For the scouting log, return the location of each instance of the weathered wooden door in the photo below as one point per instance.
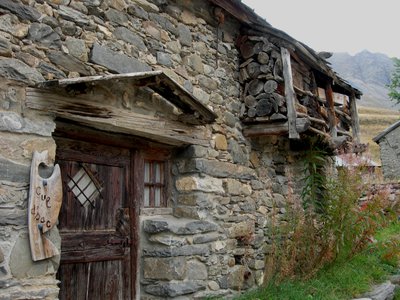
(96, 222)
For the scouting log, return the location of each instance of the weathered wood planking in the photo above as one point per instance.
(276, 128)
(86, 111)
(158, 81)
(101, 236)
(355, 123)
(45, 198)
(289, 94)
(331, 110)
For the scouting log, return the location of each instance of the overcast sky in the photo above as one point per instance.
(336, 25)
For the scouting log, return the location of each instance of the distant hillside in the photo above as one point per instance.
(369, 72)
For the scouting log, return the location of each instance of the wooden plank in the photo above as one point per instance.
(180, 97)
(45, 197)
(355, 123)
(135, 200)
(276, 128)
(331, 110)
(85, 111)
(342, 113)
(313, 120)
(317, 131)
(97, 79)
(91, 152)
(303, 93)
(92, 246)
(341, 133)
(158, 81)
(87, 134)
(97, 237)
(289, 94)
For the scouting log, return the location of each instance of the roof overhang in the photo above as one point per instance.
(194, 111)
(258, 25)
(392, 127)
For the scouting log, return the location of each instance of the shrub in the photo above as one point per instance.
(327, 224)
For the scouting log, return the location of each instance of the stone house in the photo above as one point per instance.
(177, 127)
(389, 143)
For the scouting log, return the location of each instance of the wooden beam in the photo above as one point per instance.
(331, 109)
(355, 123)
(303, 92)
(289, 94)
(342, 113)
(341, 132)
(317, 131)
(158, 81)
(276, 128)
(85, 110)
(313, 120)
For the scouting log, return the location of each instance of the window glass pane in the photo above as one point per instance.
(157, 171)
(157, 197)
(146, 171)
(146, 196)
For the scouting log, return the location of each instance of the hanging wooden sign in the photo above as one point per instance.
(45, 197)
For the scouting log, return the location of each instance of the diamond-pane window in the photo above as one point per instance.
(85, 187)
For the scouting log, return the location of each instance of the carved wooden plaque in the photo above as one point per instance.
(45, 197)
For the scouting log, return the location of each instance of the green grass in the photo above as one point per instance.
(341, 280)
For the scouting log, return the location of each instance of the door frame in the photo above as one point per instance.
(134, 190)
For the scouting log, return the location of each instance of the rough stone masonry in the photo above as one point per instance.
(211, 240)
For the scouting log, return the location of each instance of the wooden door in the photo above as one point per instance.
(96, 222)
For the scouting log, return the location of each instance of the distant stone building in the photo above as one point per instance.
(178, 128)
(389, 143)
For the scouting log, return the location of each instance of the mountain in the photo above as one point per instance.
(369, 72)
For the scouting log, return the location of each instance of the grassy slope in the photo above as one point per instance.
(372, 122)
(342, 280)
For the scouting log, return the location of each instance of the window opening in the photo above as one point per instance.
(85, 186)
(154, 184)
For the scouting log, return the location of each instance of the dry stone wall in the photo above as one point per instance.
(213, 242)
(390, 154)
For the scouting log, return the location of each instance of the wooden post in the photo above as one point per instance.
(345, 104)
(289, 94)
(331, 110)
(281, 128)
(355, 123)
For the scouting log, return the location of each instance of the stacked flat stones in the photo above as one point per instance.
(261, 75)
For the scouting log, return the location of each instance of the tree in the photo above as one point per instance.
(394, 86)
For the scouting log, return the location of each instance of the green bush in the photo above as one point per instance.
(328, 223)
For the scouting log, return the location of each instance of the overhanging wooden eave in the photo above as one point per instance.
(257, 25)
(194, 111)
(87, 111)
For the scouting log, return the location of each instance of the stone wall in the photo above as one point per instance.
(392, 190)
(390, 154)
(212, 242)
(21, 132)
